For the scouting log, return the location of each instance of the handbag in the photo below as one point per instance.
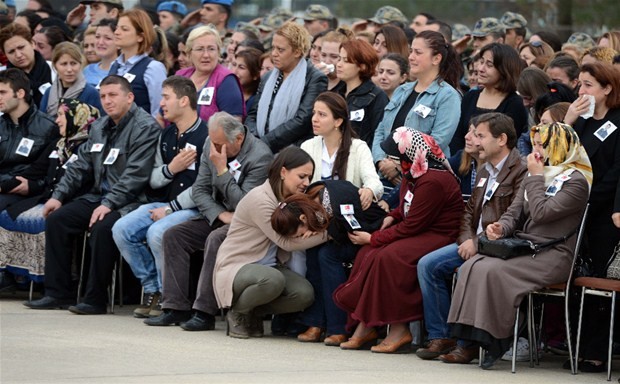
(510, 247)
(613, 267)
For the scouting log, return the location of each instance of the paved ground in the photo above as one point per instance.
(59, 347)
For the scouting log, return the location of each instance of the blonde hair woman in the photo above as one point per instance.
(218, 88)
(68, 61)
(282, 115)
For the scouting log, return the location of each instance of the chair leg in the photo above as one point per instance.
(514, 342)
(611, 335)
(481, 354)
(81, 279)
(112, 289)
(531, 334)
(538, 337)
(576, 361)
(569, 341)
(120, 282)
(31, 289)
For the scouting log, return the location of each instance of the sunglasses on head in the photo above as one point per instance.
(536, 43)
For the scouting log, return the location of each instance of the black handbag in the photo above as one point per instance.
(510, 247)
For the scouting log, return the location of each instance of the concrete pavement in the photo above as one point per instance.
(59, 347)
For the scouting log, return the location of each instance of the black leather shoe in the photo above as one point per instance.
(87, 309)
(200, 322)
(590, 367)
(169, 317)
(490, 360)
(49, 302)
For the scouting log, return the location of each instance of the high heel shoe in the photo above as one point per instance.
(312, 335)
(365, 342)
(401, 346)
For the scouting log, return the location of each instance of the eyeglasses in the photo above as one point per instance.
(202, 50)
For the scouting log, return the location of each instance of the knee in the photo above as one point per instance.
(154, 236)
(305, 295)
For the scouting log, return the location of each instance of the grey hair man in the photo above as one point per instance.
(233, 162)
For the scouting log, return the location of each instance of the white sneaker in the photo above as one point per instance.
(523, 351)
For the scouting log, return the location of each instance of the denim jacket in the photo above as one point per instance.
(445, 111)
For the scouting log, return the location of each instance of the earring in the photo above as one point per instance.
(282, 178)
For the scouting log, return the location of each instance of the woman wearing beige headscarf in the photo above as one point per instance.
(548, 206)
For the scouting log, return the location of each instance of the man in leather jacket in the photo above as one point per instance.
(117, 159)
(24, 133)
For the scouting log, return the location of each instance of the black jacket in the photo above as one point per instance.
(33, 125)
(121, 185)
(343, 192)
(299, 128)
(372, 100)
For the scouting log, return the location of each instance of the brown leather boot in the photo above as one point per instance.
(435, 348)
(460, 355)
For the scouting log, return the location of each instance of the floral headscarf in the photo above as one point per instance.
(421, 151)
(79, 118)
(563, 151)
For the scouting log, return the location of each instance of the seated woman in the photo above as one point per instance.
(251, 276)
(218, 88)
(337, 151)
(68, 60)
(22, 224)
(466, 161)
(601, 140)
(246, 66)
(281, 115)
(356, 66)
(548, 206)
(393, 71)
(325, 263)
(134, 38)
(499, 68)
(382, 288)
(106, 51)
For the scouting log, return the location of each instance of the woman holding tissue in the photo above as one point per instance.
(600, 84)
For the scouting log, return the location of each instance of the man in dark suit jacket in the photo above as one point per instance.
(497, 183)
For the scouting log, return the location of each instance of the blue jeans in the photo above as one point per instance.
(434, 269)
(325, 272)
(130, 233)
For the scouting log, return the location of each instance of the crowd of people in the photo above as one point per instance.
(333, 177)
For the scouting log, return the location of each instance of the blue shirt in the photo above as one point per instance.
(441, 121)
(94, 74)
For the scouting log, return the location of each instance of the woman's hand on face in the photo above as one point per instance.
(577, 108)
(389, 220)
(366, 196)
(494, 231)
(359, 237)
(535, 164)
(616, 219)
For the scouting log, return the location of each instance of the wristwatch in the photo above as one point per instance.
(168, 210)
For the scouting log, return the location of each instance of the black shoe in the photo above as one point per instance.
(87, 309)
(590, 367)
(48, 302)
(489, 360)
(7, 282)
(169, 317)
(200, 322)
